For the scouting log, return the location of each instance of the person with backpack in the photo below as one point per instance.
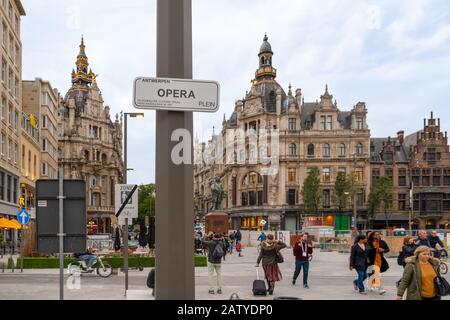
(216, 250)
(270, 249)
(407, 251)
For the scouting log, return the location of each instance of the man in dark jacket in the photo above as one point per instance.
(238, 236)
(436, 243)
(302, 251)
(216, 250)
(422, 239)
(359, 262)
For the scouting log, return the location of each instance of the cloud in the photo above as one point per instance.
(391, 54)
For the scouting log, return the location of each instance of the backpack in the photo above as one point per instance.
(400, 258)
(151, 279)
(218, 251)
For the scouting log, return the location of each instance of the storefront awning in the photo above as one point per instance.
(9, 224)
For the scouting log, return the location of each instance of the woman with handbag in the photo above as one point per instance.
(376, 250)
(302, 251)
(419, 276)
(270, 256)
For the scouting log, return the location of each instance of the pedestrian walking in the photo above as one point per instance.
(302, 251)
(359, 261)
(239, 248)
(226, 241)
(198, 248)
(407, 251)
(376, 249)
(238, 235)
(232, 239)
(262, 237)
(268, 256)
(216, 249)
(418, 276)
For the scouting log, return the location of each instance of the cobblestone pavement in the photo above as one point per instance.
(329, 279)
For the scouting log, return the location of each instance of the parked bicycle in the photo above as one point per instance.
(103, 269)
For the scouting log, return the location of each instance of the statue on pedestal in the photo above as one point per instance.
(217, 192)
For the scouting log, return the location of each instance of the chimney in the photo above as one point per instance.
(298, 96)
(400, 136)
(424, 123)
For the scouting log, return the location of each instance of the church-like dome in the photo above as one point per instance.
(265, 47)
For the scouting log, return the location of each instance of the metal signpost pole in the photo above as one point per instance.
(174, 203)
(61, 235)
(125, 231)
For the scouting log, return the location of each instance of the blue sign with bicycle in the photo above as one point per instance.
(23, 217)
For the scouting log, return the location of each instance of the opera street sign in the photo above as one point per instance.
(176, 94)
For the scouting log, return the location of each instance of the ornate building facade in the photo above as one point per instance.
(90, 145)
(11, 13)
(419, 165)
(311, 134)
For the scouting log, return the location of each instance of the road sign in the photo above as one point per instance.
(47, 216)
(131, 208)
(23, 217)
(176, 94)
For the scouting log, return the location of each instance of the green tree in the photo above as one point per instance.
(311, 192)
(146, 201)
(380, 198)
(340, 193)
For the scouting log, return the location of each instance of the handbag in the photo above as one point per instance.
(279, 257)
(441, 285)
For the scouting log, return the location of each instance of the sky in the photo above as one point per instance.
(392, 54)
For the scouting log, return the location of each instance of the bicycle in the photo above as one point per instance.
(103, 269)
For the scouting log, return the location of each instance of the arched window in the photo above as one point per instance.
(252, 189)
(326, 150)
(359, 149)
(342, 150)
(104, 159)
(292, 149)
(310, 149)
(86, 155)
(94, 181)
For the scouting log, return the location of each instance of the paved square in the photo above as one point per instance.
(329, 279)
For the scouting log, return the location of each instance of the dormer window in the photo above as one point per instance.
(291, 124)
(359, 123)
(388, 157)
(326, 122)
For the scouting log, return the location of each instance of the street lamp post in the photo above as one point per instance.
(125, 170)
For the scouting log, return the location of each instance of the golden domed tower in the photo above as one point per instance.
(82, 76)
(265, 70)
